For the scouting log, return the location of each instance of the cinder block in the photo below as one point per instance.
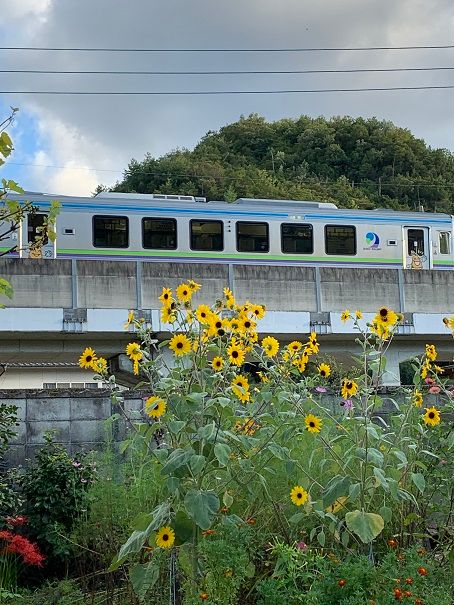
(18, 402)
(90, 408)
(84, 431)
(37, 430)
(21, 434)
(48, 409)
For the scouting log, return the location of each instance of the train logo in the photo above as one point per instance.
(372, 241)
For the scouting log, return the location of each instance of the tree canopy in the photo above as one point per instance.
(353, 162)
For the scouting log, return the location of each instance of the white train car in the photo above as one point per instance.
(174, 228)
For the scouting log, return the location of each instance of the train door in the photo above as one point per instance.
(416, 248)
(32, 243)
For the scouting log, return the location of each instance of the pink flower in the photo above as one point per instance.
(77, 464)
(320, 389)
(301, 545)
(347, 404)
(452, 393)
(434, 390)
(429, 380)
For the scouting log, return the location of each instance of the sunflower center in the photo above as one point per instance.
(203, 314)
(299, 495)
(166, 296)
(165, 537)
(185, 292)
(221, 332)
(322, 372)
(247, 324)
(349, 385)
(218, 324)
(383, 312)
(89, 358)
(179, 345)
(156, 407)
(234, 353)
(312, 424)
(431, 415)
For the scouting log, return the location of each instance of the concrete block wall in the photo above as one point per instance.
(77, 417)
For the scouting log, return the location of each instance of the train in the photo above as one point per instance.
(182, 228)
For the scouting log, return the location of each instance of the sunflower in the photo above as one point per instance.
(270, 346)
(313, 423)
(203, 314)
(246, 324)
(349, 388)
(184, 293)
(324, 370)
(263, 377)
(358, 314)
(345, 315)
(417, 398)
(133, 351)
(135, 367)
(298, 495)
(258, 311)
(129, 320)
(246, 426)
(217, 364)
(193, 286)
(425, 369)
(381, 330)
(236, 354)
(100, 365)
(431, 352)
(166, 296)
(449, 322)
(180, 345)
(234, 325)
(240, 387)
(87, 359)
(167, 315)
(301, 365)
(165, 537)
(386, 317)
(155, 407)
(294, 347)
(312, 343)
(432, 416)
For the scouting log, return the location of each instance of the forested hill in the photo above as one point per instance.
(364, 163)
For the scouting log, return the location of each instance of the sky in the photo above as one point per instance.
(69, 144)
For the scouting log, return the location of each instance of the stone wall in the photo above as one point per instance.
(77, 417)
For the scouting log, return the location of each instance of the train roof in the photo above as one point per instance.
(184, 201)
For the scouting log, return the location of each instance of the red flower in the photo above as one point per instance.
(422, 571)
(407, 593)
(408, 580)
(24, 548)
(398, 594)
(342, 583)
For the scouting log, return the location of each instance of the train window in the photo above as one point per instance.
(110, 232)
(340, 239)
(35, 228)
(444, 241)
(207, 235)
(159, 233)
(297, 238)
(415, 241)
(252, 237)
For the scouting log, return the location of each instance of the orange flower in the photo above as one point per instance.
(203, 596)
(224, 509)
(419, 602)
(251, 521)
(407, 593)
(398, 594)
(408, 580)
(392, 543)
(342, 583)
(422, 571)
(208, 532)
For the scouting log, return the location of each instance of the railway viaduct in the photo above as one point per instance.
(61, 306)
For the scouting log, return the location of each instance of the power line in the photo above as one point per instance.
(127, 172)
(223, 72)
(217, 92)
(226, 50)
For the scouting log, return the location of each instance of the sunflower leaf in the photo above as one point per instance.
(365, 525)
(202, 507)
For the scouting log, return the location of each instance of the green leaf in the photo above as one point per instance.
(175, 426)
(365, 525)
(177, 458)
(401, 456)
(278, 451)
(5, 288)
(375, 456)
(227, 499)
(143, 577)
(338, 486)
(197, 463)
(296, 518)
(183, 527)
(354, 491)
(419, 481)
(249, 570)
(161, 455)
(386, 513)
(202, 507)
(321, 538)
(173, 484)
(207, 432)
(222, 453)
(380, 477)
